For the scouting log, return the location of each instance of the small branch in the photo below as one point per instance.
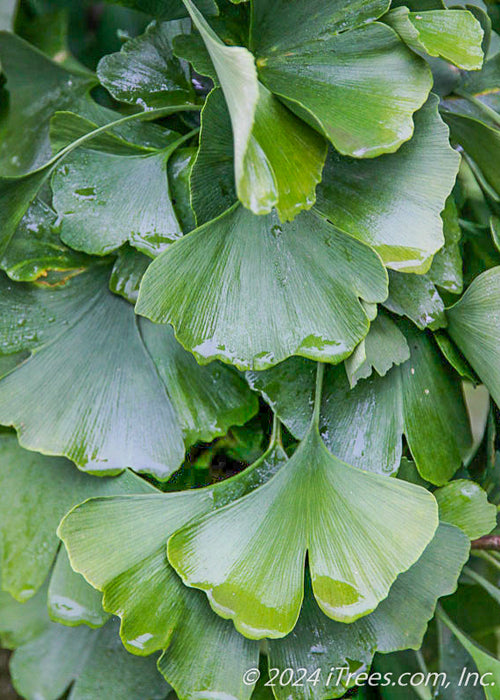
(487, 542)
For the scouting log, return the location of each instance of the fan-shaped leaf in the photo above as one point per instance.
(455, 35)
(85, 336)
(105, 198)
(146, 72)
(299, 289)
(393, 203)
(399, 622)
(333, 71)
(474, 325)
(463, 503)
(157, 611)
(316, 504)
(422, 399)
(278, 158)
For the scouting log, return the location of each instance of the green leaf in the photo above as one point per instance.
(180, 166)
(70, 600)
(36, 492)
(314, 504)
(464, 504)
(128, 271)
(480, 140)
(82, 335)
(145, 72)
(352, 79)
(212, 179)
(94, 661)
(25, 129)
(326, 323)
(422, 399)
(36, 252)
(399, 622)
(278, 159)
(474, 325)
(106, 198)
(17, 193)
(485, 662)
(416, 297)
(455, 35)
(384, 346)
(393, 203)
(21, 622)
(157, 611)
(446, 269)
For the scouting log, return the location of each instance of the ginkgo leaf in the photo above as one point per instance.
(70, 599)
(83, 335)
(399, 622)
(278, 158)
(317, 505)
(313, 273)
(107, 197)
(384, 346)
(212, 179)
(487, 664)
(455, 35)
(17, 193)
(416, 297)
(127, 274)
(474, 325)
(145, 72)
(393, 203)
(463, 503)
(351, 78)
(36, 252)
(481, 141)
(36, 492)
(157, 611)
(25, 128)
(21, 622)
(92, 662)
(421, 398)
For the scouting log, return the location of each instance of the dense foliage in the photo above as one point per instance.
(249, 348)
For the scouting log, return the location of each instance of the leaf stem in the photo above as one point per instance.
(275, 433)
(320, 373)
(487, 542)
(140, 116)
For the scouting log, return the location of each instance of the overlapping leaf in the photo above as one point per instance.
(399, 622)
(455, 35)
(332, 64)
(393, 203)
(83, 336)
(107, 196)
(25, 128)
(146, 72)
(157, 611)
(298, 290)
(421, 398)
(278, 159)
(474, 325)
